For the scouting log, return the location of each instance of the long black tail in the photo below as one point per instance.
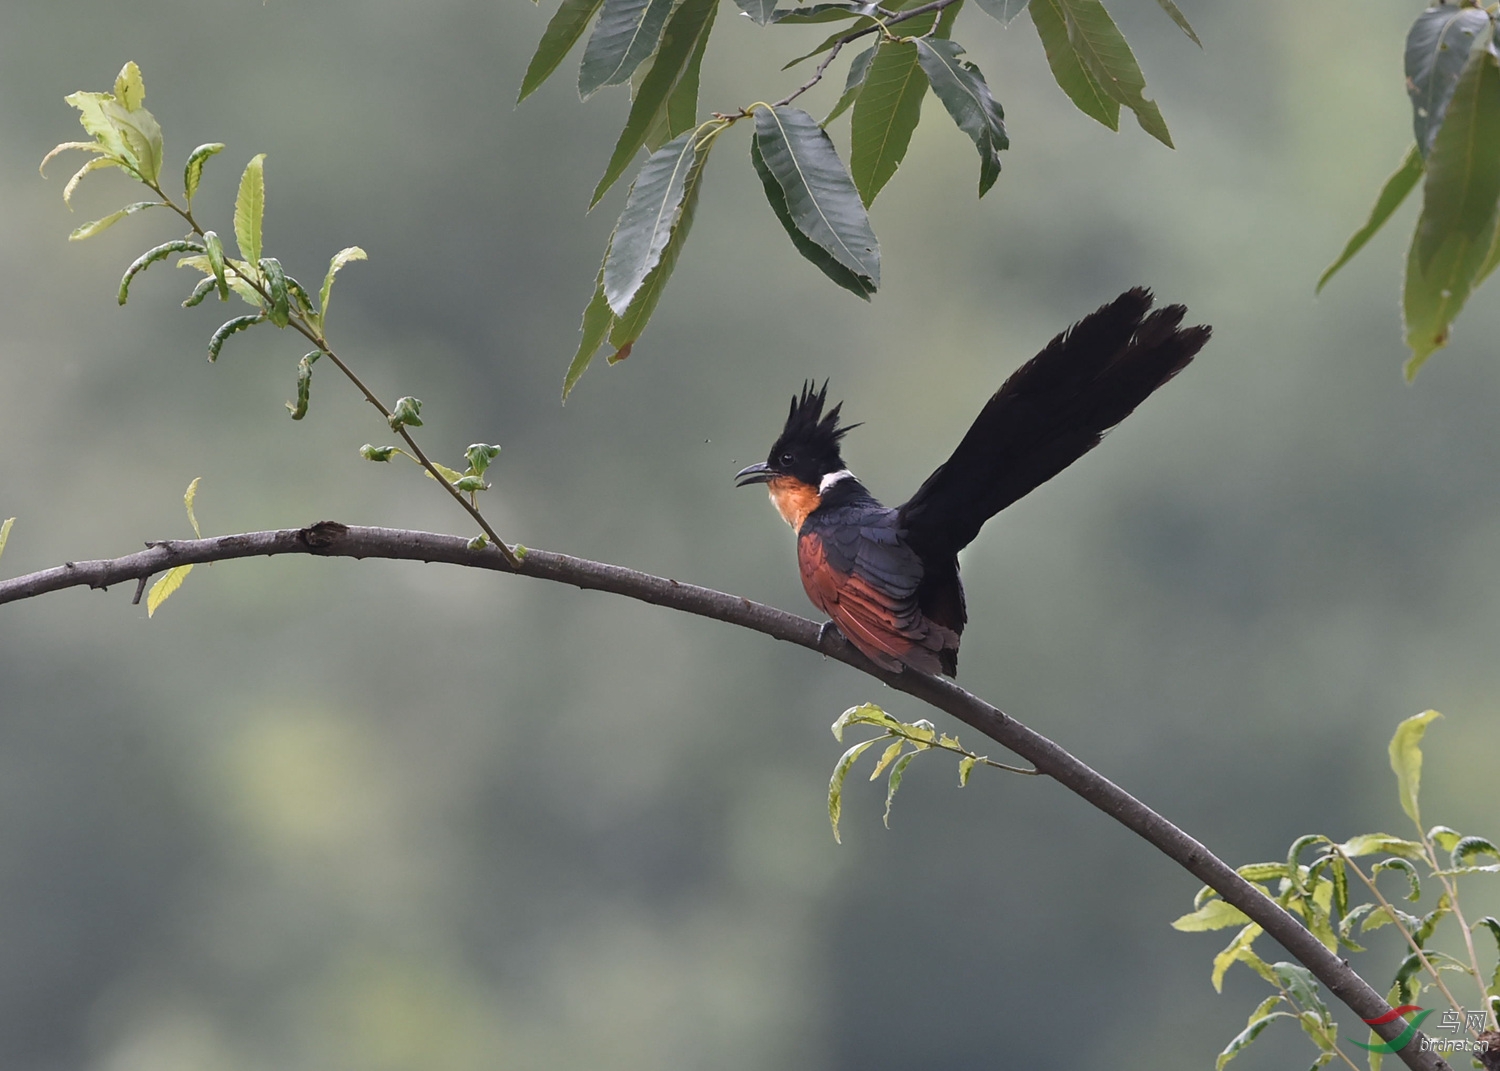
(1048, 414)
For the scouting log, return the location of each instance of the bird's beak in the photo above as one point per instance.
(758, 473)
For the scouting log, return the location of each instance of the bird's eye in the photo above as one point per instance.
(786, 459)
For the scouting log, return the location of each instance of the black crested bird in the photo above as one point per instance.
(887, 577)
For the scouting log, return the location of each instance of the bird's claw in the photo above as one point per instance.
(823, 630)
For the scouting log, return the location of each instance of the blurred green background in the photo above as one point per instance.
(327, 814)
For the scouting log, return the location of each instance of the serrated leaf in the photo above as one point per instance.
(1392, 194)
(859, 67)
(1413, 879)
(836, 784)
(681, 41)
(598, 318)
(886, 112)
(1068, 69)
(966, 768)
(1444, 837)
(758, 10)
(137, 128)
(860, 285)
(887, 757)
(821, 201)
(1299, 982)
(1235, 951)
(130, 89)
(1437, 48)
(962, 89)
(864, 714)
(162, 590)
(1101, 47)
(1004, 10)
(101, 127)
(1406, 760)
(192, 171)
(1469, 847)
(898, 771)
(453, 476)
(214, 251)
(1242, 1040)
(5, 527)
(250, 208)
(188, 498)
(626, 33)
(1176, 15)
(1451, 251)
(563, 31)
(84, 146)
(150, 257)
(98, 226)
(280, 310)
(816, 13)
(218, 338)
(304, 385)
(336, 265)
(1262, 871)
(98, 163)
(629, 325)
(1214, 915)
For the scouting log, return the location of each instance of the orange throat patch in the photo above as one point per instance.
(793, 499)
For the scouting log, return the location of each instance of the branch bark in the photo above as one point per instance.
(332, 539)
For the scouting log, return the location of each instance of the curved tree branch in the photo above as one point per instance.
(332, 539)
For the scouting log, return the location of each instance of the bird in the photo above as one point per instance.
(887, 577)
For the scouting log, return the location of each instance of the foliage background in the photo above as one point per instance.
(383, 816)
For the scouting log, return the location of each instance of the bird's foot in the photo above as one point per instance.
(823, 630)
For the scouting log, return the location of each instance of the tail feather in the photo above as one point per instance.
(1048, 414)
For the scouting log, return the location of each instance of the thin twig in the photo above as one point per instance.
(330, 538)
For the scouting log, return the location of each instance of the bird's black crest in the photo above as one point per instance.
(806, 424)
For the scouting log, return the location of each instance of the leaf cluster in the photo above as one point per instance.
(657, 47)
(1319, 893)
(1453, 79)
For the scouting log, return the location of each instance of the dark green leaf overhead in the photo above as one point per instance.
(813, 13)
(562, 33)
(1436, 50)
(651, 213)
(759, 10)
(625, 35)
(886, 112)
(859, 67)
(1068, 68)
(1176, 15)
(1391, 195)
(962, 89)
(1103, 50)
(821, 200)
(862, 285)
(680, 43)
(1004, 10)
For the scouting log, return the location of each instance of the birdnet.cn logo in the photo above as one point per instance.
(1470, 1021)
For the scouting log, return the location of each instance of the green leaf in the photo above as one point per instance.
(1004, 10)
(98, 163)
(687, 30)
(250, 208)
(864, 714)
(188, 498)
(1214, 915)
(962, 89)
(85, 146)
(887, 757)
(1469, 847)
(885, 114)
(5, 528)
(280, 312)
(214, 250)
(1176, 15)
(1262, 871)
(1489, 922)
(192, 173)
(629, 325)
(833, 39)
(130, 89)
(626, 33)
(681, 111)
(821, 200)
(342, 257)
(859, 67)
(1072, 75)
(1413, 880)
(150, 257)
(965, 768)
(562, 33)
(1238, 950)
(836, 784)
(598, 318)
(758, 10)
(898, 771)
(816, 13)
(1103, 49)
(1299, 982)
(405, 414)
(162, 590)
(1437, 49)
(99, 125)
(137, 129)
(479, 457)
(1445, 838)
(239, 323)
(1391, 195)
(304, 385)
(1259, 1020)
(860, 285)
(651, 215)
(1456, 231)
(1406, 760)
(379, 453)
(98, 226)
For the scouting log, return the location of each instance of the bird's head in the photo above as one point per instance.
(804, 454)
